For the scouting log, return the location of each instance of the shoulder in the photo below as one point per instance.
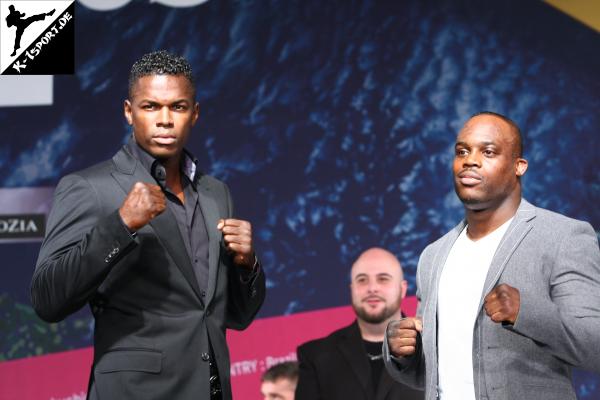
(551, 218)
(211, 182)
(558, 227)
(86, 177)
(321, 345)
(433, 247)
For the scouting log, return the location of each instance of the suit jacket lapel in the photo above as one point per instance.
(348, 345)
(129, 172)
(385, 385)
(210, 212)
(517, 230)
(438, 265)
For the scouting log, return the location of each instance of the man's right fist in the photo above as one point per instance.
(402, 336)
(143, 203)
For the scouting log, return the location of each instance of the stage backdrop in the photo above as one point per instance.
(333, 122)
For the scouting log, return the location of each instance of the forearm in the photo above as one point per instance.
(65, 280)
(565, 317)
(246, 295)
(407, 370)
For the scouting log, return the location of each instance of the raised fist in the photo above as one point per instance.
(237, 235)
(502, 304)
(402, 336)
(143, 203)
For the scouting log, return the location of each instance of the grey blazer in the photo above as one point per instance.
(152, 323)
(554, 261)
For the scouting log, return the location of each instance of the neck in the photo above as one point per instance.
(375, 332)
(482, 222)
(172, 168)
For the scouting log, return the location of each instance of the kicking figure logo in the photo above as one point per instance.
(16, 18)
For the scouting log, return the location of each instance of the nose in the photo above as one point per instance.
(373, 286)
(472, 160)
(165, 118)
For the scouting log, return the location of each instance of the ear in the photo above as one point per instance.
(127, 111)
(196, 113)
(403, 288)
(520, 167)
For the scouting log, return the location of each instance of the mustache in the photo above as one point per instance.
(373, 298)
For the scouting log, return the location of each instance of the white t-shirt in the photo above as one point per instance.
(460, 291)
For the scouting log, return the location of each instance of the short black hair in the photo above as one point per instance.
(513, 125)
(160, 62)
(286, 370)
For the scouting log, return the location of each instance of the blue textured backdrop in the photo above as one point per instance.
(333, 123)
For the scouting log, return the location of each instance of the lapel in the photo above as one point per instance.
(129, 171)
(385, 385)
(351, 346)
(211, 215)
(517, 230)
(439, 261)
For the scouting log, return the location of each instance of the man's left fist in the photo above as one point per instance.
(237, 235)
(502, 303)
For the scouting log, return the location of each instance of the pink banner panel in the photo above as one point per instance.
(268, 341)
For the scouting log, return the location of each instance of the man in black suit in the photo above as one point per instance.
(348, 364)
(149, 242)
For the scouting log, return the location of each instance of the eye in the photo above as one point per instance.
(179, 107)
(461, 152)
(361, 281)
(148, 107)
(489, 153)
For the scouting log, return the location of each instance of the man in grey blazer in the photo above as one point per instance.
(509, 300)
(149, 242)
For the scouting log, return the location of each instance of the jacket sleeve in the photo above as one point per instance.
(246, 290)
(80, 248)
(308, 383)
(409, 370)
(567, 319)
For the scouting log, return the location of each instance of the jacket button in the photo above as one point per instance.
(205, 357)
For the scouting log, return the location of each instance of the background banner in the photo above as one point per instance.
(332, 122)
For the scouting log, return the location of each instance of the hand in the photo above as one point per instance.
(143, 203)
(502, 303)
(402, 336)
(237, 235)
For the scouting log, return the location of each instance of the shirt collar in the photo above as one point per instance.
(189, 163)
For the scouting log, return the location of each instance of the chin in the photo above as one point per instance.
(162, 153)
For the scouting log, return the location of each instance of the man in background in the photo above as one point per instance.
(279, 382)
(510, 298)
(348, 364)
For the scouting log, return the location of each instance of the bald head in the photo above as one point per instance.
(377, 256)
(377, 286)
(503, 124)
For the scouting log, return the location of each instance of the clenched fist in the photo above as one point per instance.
(143, 203)
(502, 303)
(402, 336)
(237, 235)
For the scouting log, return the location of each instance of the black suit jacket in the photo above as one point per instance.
(152, 324)
(337, 367)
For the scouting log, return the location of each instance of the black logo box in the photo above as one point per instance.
(22, 226)
(56, 57)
